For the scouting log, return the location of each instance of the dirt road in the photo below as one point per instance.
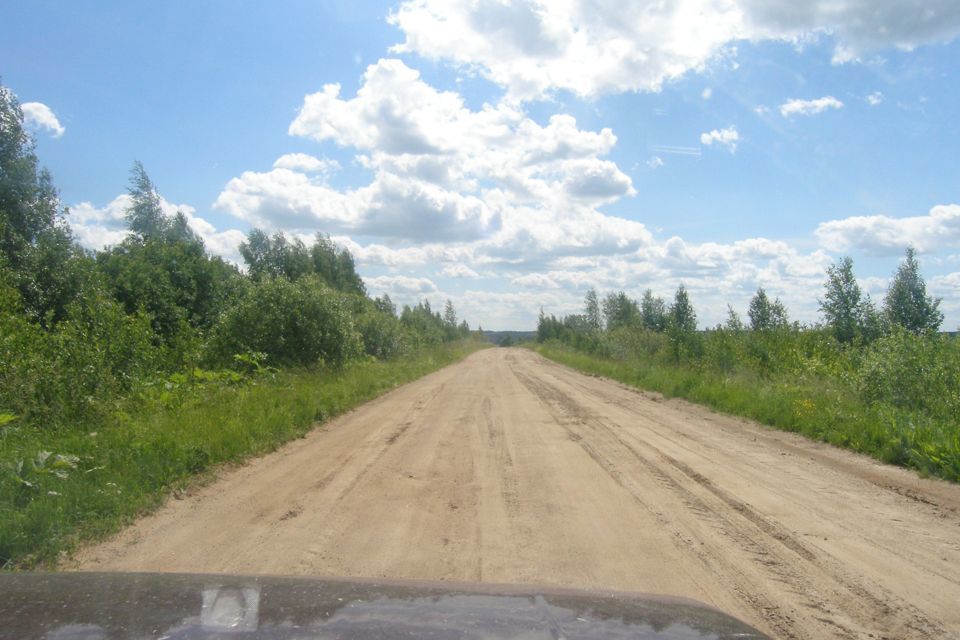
(509, 468)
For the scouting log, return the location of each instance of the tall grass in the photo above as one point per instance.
(897, 399)
(62, 487)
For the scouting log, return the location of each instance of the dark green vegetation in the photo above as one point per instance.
(509, 338)
(878, 381)
(126, 371)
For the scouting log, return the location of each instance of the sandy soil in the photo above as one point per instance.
(509, 468)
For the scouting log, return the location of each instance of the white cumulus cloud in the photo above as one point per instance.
(39, 116)
(796, 106)
(722, 137)
(459, 271)
(595, 47)
(400, 286)
(443, 172)
(306, 163)
(884, 235)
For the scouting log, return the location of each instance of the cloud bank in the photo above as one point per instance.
(589, 47)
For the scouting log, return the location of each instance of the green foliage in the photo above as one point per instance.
(335, 265)
(682, 319)
(144, 216)
(54, 378)
(907, 304)
(765, 314)
(591, 305)
(173, 280)
(29, 205)
(382, 333)
(848, 313)
(620, 311)
(36, 246)
(734, 323)
(424, 324)
(682, 326)
(909, 371)
(276, 257)
(653, 312)
(302, 323)
(385, 305)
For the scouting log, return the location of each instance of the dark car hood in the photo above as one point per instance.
(58, 606)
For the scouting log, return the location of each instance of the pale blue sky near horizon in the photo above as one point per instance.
(475, 165)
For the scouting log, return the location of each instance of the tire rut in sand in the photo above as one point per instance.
(770, 545)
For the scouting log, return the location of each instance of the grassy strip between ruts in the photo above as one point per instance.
(60, 489)
(817, 409)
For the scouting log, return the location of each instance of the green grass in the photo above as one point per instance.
(818, 408)
(61, 488)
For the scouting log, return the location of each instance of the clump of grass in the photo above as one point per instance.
(59, 488)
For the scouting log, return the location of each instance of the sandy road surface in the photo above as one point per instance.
(509, 468)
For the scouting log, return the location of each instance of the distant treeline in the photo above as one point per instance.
(509, 338)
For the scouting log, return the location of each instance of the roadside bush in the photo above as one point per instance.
(301, 323)
(382, 334)
(909, 371)
(624, 343)
(49, 378)
(723, 350)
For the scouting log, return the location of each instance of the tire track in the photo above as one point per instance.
(878, 607)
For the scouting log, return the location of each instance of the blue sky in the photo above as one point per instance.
(508, 155)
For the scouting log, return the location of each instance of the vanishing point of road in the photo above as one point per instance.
(508, 468)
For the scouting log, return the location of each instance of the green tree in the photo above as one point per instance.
(765, 314)
(842, 303)
(450, 321)
(47, 267)
(423, 323)
(620, 311)
(873, 322)
(682, 317)
(385, 305)
(592, 310)
(29, 204)
(733, 323)
(449, 314)
(275, 257)
(549, 327)
(163, 268)
(335, 265)
(907, 303)
(681, 323)
(653, 312)
(255, 251)
(144, 215)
